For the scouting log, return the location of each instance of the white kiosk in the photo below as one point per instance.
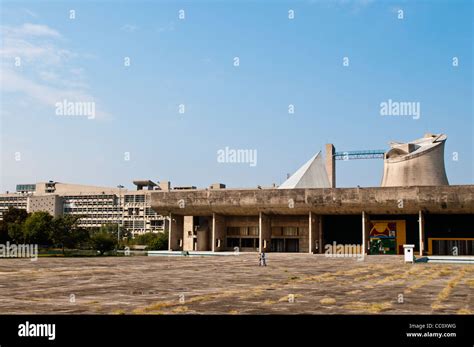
(409, 254)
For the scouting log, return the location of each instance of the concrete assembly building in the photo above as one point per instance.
(414, 205)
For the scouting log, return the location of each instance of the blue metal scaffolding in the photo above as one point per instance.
(370, 154)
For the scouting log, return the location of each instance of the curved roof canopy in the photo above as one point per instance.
(406, 150)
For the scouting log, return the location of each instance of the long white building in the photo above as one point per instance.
(99, 205)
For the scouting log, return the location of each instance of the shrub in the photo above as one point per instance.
(154, 241)
(102, 241)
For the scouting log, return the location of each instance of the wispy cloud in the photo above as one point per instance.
(167, 27)
(47, 95)
(129, 28)
(30, 13)
(29, 30)
(47, 74)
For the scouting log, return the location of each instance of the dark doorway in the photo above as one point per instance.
(449, 234)
(291, 245)
(278, 245)
(342, 229)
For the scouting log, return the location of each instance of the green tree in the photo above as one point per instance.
(110, 228)
(154, 241)
(125, 234)
(103, 241)
(160, 242)
(15, 232)
(113, 229)
(37, 228)
(65, 232)
(14, 216)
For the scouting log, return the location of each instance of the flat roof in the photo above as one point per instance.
(144, 183)
(372, 200)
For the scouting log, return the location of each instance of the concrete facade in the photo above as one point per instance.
(331, 165)
(417, 163)
(53, 204)
(98, 205)
(263, 219)
(414, 204)
(218, 232)
(176, 232)
(265, 232)
(374, 200)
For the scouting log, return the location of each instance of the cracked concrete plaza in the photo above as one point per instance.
(290, 284)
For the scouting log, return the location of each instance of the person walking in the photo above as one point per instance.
(262, 260)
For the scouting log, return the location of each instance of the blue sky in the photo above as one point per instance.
(191, 62)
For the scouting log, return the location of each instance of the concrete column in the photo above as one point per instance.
(320, 236)
(176, 231)
(365, 232)
(316, 219)
(213, 245)
(331, 164)
(421, 229)
(314, 231)
(264, 233)
(188, 236)
(218, 232)
(170, 229)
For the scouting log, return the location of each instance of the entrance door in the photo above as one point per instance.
(292, 245)
(285, 245)
(278, 245)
